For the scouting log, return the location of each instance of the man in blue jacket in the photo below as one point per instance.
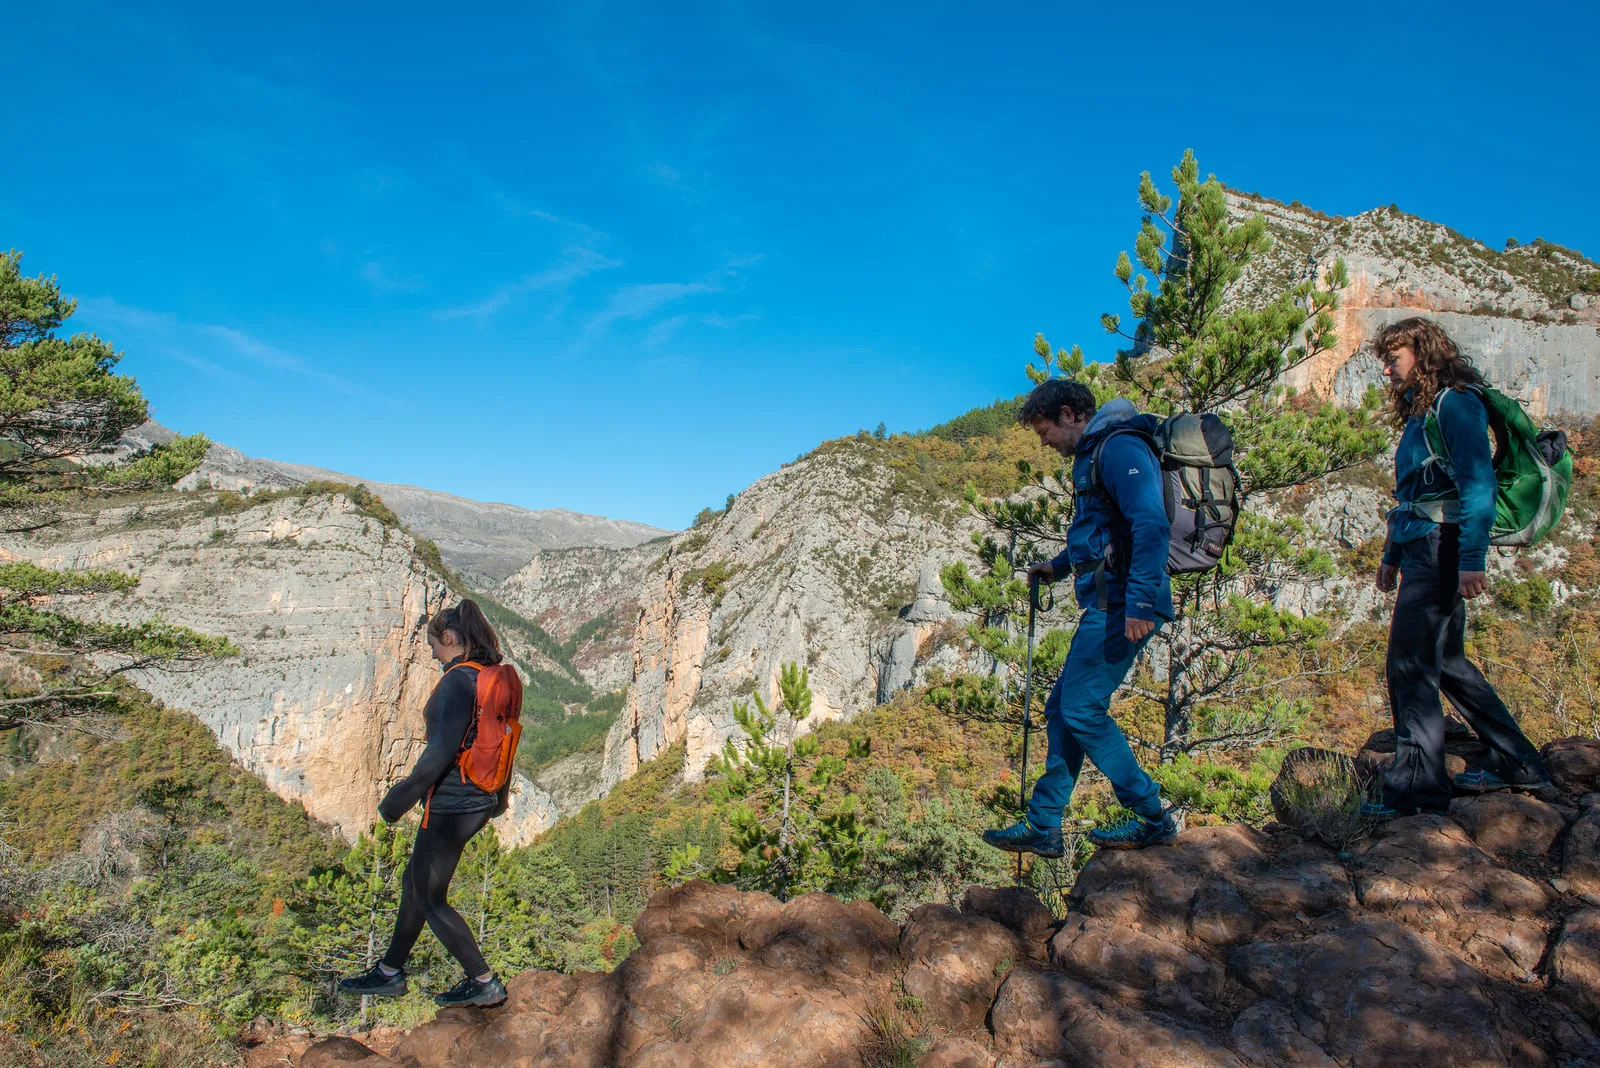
(1117, 552)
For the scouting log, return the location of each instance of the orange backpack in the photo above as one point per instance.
(491, 741)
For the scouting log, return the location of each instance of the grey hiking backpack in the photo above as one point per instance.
(1200, 486)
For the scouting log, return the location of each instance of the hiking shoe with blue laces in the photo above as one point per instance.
(1136, 832)
(1483, 781)
(1024, 837)
(1378, 812)
(375, 983)
(472, 991)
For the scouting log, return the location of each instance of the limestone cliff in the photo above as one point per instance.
(1526, 315)
(816, 563)
(564, 589)
(325, 701)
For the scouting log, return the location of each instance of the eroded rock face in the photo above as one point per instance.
(1511, 311)
(1231, 946)
(813, 564)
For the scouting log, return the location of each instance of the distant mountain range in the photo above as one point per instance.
(487, 542)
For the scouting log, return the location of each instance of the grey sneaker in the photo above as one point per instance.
(1024, 837)
(472, 992)
(1136, 832)
(375, 983)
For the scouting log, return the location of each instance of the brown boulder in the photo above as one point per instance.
(1311, 887)
(657, 986)
(1108, 955)
(1377, 993)
(1220, 915)
(820, 934)
(1575, 963)
(1425, 872)
(1266, 1036)
(1507, 824)
(336, 1051)
(1012, 907)
(550, 1020)
(757, 1015)
(1574, 764)
(1047, 1015)
(698, 909)
(1580, 855)
(955, 962)
(443, 1041)
(952, 1051)
(1154, 889)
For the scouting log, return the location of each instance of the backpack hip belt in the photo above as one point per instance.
(1439, 510)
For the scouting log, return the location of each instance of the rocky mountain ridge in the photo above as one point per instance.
(1465, 940)
(484, 541)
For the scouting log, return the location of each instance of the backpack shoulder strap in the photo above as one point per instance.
(1095, 481)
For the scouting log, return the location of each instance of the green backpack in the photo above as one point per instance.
(1532, 468)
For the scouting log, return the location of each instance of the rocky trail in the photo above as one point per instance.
(1462, 940)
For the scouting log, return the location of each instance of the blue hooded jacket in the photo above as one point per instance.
(1129, 513)
(1464, 425)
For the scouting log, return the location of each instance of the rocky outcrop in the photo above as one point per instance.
(325, 700)
(1440, 940)
(817, 564)
(563, 589)
(484, 541)
(1518, 313)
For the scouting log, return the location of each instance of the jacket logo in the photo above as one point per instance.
(1133, 470)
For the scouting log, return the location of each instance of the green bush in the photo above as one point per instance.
(1530, 596)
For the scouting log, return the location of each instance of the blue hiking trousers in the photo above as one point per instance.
(1078, 723)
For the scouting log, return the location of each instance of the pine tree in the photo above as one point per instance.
(60, 406)
(789, 836)
(1198, 345)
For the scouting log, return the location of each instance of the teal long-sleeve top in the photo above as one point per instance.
(1464, 425)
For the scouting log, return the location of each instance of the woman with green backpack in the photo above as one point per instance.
(1436, 552)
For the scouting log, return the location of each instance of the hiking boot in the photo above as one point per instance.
(1378, 812)
(1136, 832)
(1024, 837)
(472, 991)
(1483, 781)
(375, 983)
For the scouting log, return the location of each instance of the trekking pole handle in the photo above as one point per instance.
(1037, 596)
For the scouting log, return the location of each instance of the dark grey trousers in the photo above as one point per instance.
(1427, 657)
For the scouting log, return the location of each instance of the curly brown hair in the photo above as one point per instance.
(1440, 366)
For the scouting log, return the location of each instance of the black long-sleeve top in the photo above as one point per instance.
(448, 716)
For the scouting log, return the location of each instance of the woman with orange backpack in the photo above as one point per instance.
(456, 804)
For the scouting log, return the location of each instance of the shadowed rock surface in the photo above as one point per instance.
(1455, 940)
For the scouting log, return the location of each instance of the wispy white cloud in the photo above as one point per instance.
(637, 302)
(376, 275)
(663, 331)
(580, 233)
(578, 263)
(165, 333)
(724, 322)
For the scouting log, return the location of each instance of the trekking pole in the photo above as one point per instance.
(1027, 709)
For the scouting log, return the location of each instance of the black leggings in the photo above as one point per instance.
(1427, 656)
(434, 856)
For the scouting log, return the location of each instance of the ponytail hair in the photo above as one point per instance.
(470, 625)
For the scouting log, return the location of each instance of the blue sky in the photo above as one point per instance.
(626, 259)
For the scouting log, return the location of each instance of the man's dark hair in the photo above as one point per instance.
(1048, 398)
